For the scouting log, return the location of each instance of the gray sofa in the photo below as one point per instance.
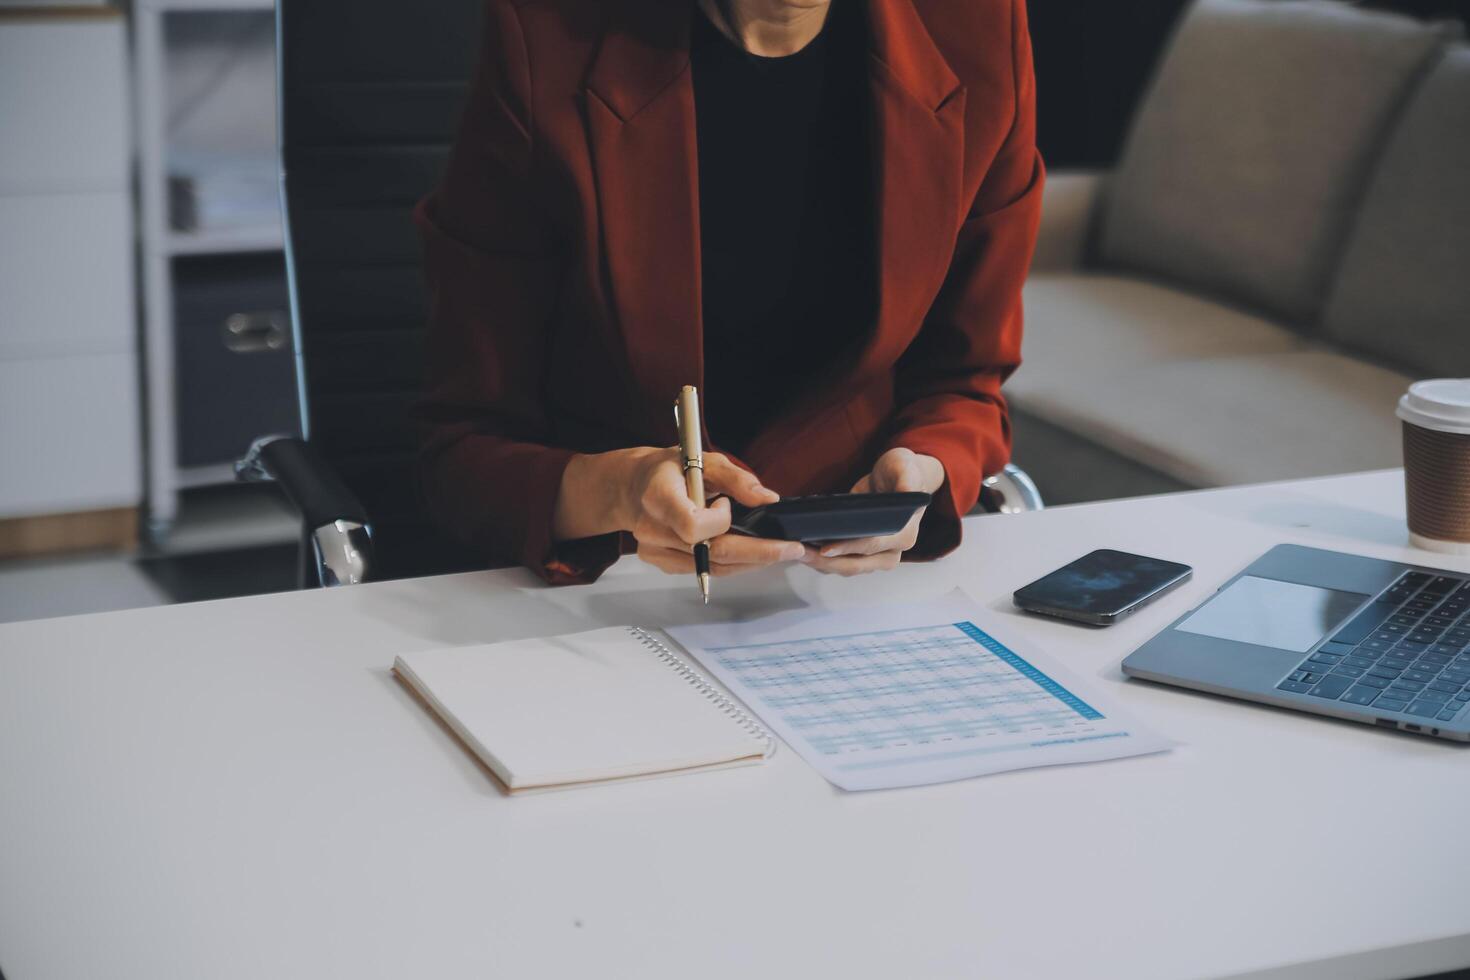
(1283, 246)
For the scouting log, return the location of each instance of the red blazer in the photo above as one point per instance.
(562, 251)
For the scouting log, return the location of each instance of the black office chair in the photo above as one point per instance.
(369, 98)
(370, 94)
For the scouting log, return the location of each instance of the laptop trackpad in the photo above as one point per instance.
(1270, 613)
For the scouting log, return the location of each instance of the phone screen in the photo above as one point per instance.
(1104, 583)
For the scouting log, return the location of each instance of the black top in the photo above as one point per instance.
(785, 202)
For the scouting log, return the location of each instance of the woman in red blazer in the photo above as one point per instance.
(836, 200)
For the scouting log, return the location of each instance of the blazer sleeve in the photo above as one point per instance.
(493, 263)
(949, 403)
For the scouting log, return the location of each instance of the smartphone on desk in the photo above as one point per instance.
(1103, 587)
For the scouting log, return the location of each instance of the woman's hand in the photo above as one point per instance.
(642, 491)
(897, 471)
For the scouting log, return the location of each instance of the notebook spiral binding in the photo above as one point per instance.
(712, 694)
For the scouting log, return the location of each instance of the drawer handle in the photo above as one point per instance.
(255, 333)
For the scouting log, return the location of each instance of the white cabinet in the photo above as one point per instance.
(66, 274)
(69, 374)
(64, 102)
(69, 434)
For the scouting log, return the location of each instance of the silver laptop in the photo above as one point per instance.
(1356, 638)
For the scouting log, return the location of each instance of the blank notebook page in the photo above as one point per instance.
(581, 708)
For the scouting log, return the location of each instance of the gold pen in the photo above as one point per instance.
(691, 448)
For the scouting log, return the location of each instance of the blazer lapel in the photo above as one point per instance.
(918, 145)
(640, 118)
(641, 128)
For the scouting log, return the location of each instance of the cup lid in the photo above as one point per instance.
(1442, 405)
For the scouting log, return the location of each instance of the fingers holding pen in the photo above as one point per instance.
(668, 525)
(733, 549)
(667, 509)
(729, 555)
(670, 543)
(665, 499)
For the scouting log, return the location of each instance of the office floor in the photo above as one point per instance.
(241, 540)
(228, 541)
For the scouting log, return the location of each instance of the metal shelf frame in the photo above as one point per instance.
(160, 244)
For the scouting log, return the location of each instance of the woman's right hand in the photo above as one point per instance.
(668, 525)
(642, 490)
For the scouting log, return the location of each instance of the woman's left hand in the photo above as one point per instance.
(897, 471)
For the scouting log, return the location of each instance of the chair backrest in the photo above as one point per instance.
(370, 95)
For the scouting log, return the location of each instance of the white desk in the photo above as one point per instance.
(239, 789)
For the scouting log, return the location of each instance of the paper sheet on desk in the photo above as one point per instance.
(904, 695)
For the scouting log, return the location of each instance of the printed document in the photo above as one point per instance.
(904, 695)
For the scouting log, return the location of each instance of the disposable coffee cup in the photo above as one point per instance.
(1436, 417)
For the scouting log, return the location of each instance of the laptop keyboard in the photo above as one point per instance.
(1408, 652)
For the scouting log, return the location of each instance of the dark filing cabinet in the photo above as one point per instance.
(234, 357)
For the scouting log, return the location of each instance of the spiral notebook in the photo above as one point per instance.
(586, 708)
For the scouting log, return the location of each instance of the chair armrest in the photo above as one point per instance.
(1068, 213)
(340, 532)
(1010, 491)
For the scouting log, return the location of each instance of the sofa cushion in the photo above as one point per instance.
(1081, 329)
(1204, 393)
(1254, 144)
(1261, 417)
(1068, 217)
(1403, 291)
(1246, 419)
